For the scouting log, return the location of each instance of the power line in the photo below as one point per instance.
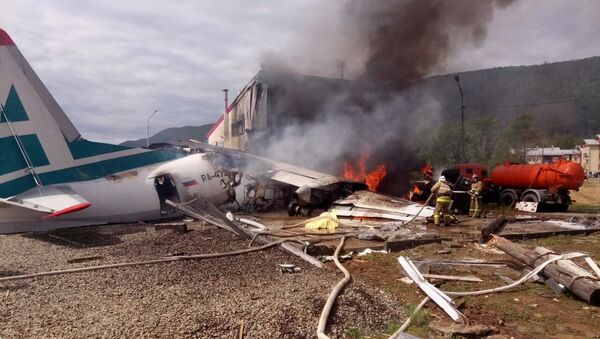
(536, 103)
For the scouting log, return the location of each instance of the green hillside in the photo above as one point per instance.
(510, 108)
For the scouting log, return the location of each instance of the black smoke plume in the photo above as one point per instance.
(395, 43)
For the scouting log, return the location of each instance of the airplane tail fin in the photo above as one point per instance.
(39, 145)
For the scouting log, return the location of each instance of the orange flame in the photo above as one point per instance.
(358, 172)
(427, 170)
(374, 178)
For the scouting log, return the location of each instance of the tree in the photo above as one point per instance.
(482, 134)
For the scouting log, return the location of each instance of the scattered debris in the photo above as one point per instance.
(462, 262)
(341, 258)
(443, 277)
(288, 268)
(441, 299)
(464, 330)
(526, 206)
(372, 235)
(370, 251)
(326, 221)
(452, 277)
(83, 259)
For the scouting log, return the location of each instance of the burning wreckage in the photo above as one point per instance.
(97, 183)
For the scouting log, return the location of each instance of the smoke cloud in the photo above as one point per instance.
(386, 47)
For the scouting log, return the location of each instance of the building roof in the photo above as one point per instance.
(551, 151)
(5, 39)
(214, 127)
(591, 142)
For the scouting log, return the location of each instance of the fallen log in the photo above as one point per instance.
(565, 272)
(493, 228)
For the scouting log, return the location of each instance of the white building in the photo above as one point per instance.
(541, 155)
(216, 135)
(590, 154)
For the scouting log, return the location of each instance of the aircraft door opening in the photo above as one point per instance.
(166, 190)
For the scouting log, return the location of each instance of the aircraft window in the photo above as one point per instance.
(269, 194)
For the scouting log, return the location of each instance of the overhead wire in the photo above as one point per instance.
(554, 102)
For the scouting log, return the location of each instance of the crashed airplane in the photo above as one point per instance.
(51, 177)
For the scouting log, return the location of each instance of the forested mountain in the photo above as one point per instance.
(511, 108)
(563, 97)
(173, 134)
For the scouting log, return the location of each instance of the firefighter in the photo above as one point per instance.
(442, 191)
(476, 198)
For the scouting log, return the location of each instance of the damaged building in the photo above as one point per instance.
(272, 99)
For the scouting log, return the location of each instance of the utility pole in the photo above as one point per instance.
(462, 120)
(148, 128)
(226, 114)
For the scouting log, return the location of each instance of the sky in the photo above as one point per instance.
(110, 64)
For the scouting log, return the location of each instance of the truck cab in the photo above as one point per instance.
(460, 176)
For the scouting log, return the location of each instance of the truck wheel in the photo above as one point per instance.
(508, 199)
(530, 197)
(564, 205)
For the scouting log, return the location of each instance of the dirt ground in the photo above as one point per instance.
(529, 311)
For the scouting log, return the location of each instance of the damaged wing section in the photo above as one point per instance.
(308, 190)
(366, 204)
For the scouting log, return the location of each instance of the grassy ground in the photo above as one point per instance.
(588, 195)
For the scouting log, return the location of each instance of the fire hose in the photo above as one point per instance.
(421, 210)
(333, 295)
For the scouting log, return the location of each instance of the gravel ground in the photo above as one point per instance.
(190, 299)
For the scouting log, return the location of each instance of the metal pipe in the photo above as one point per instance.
(226, 114)
(30, 168)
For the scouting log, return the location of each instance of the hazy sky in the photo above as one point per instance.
(111, 63)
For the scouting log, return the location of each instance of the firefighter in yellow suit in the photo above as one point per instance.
(476, 198)
(443, 192)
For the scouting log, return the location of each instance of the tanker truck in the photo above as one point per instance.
(545, 184)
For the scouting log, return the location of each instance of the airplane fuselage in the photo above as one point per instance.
(128, 196)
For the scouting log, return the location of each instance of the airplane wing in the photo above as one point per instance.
(49, 201)
(274, 170)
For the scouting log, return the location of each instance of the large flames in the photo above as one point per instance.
(358, 172)
(420, 188)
